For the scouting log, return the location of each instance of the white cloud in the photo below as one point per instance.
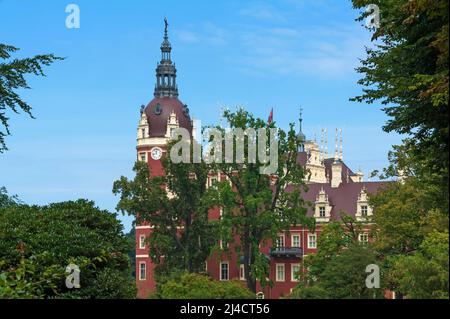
(319, 51)
(263, 12)
(186, 36)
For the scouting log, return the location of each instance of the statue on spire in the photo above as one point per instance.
(166, 24)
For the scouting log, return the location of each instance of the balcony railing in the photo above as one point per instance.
(286, 252)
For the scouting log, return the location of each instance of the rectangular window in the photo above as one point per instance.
(364, 211)
(142, 270)
(212, 181)
(224, 271)
(142, 242)
(143, 132)
(280, 241)
(279, 276)
(142, 157)
(295, 241)
(364, 238)
(241, 272)
(295, 269)
(312, 241)
(322, 212)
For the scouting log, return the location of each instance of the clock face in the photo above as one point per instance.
(156, 153)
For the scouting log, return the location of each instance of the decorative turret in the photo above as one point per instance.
(166, 72)
(300, 136)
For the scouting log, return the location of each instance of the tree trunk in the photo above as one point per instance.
(248, 262)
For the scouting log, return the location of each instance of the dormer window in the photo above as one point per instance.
(322, 211)
(363, 209)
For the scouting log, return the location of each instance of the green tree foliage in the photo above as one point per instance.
(12, 79)
(408, 72)
(6, 199)
(131, 236)
(338, 269)
(424, 274)
(412, 234)
(196, 286)
(172, 204)
(256, 207)
(37, 244)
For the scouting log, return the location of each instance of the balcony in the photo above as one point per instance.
(286, 252)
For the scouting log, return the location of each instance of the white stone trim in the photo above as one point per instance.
(220, 270)
(276, 272)
(144, 227)
(145, 268)
(293, 279)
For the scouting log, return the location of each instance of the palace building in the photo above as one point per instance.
(333, 187)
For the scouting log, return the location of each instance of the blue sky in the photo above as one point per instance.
(256, 54)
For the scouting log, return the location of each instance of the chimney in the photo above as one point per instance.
(336, 173)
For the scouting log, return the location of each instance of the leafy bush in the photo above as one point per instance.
(196, 286)
(37, 243)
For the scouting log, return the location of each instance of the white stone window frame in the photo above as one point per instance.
(309, 241)
(221, 272)
(142, 271)
(363, 238)
(242, 272)
(277, 273)
(142, 241)
(299, 240)
(293, 273)
(144, 155)
(363, 201)
(283, 241)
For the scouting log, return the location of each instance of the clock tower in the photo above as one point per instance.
(163, 114)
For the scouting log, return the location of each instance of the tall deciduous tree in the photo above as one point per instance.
(182, 235)
(12, 79)
(408, 72)
(256, 206)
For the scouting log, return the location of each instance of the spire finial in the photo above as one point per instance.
(166, 24)
(300, 119)
(336, 145)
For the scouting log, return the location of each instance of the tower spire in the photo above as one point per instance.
(300, 136)
(166, 73)
(300, 119)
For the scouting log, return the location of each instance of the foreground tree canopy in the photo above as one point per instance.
(12, 79)
(197, 286)
(407, 72)
(338, 269)
(38, 243)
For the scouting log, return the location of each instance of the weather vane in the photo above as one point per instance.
(166, 24)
